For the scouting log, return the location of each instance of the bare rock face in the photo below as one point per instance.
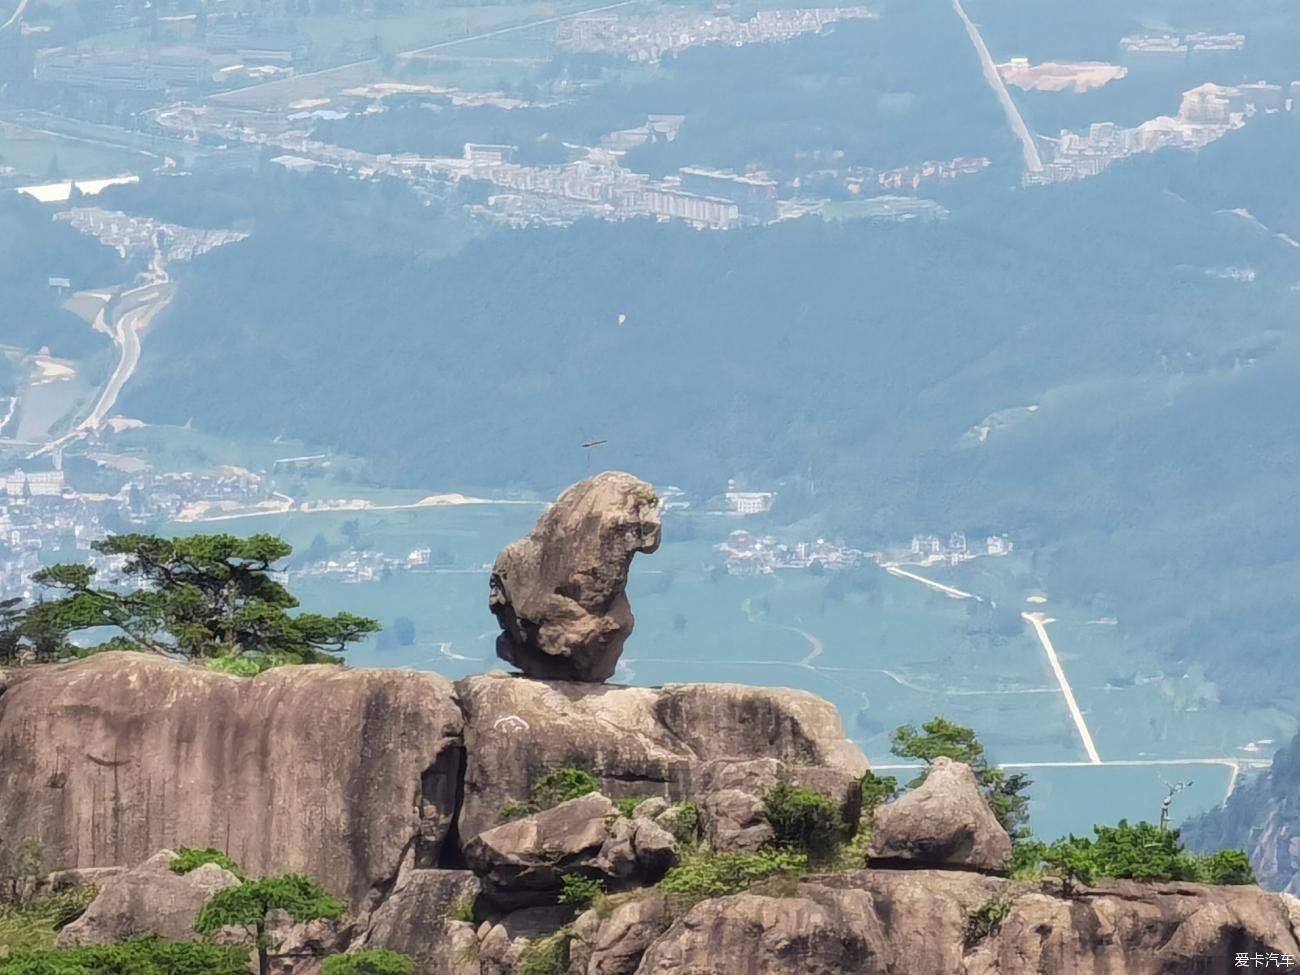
(911, 922)
(559, 593)
(334, 773)
(414, 918)
(148, 900)
(944, 823)
(817, 931)
(638, 742)
(615, 944)
(735, 821)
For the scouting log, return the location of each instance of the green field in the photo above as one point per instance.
(888, 652)
(35, 155)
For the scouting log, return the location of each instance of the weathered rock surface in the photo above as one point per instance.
(735, 821)
(944, 823)
(526, 857)
(910, 922)
(614, 945)
(522, 862)
(637, 741)
(414, 918)
(559, 593)
(334, 773)
(818, 931)
(148, 900)
(1262, 817)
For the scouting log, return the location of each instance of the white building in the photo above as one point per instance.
(749, 502)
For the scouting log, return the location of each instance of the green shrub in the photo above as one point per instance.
(188, 859)
(516, 810)
(1225, 868)
(805, 820)
(554, 787)
(984, 921)
(580, 891)
(708, 874)
(684, 823)
(1027, 859)
(627, 806)
(562, 784)
(375, 962)
(34, 925)
(461, 908)
(547, 956)
(145, 956)
(876, 790)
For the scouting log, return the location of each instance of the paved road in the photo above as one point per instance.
(17, 15)
(136, 310)
(1039, 622)
(1033, 161)
(1234, 764)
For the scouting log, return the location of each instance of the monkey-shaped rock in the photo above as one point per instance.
(559, 593)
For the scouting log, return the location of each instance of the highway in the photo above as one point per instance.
(1033, 161)
(17, 16)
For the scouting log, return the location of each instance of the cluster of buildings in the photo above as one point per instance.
(363, 566)
(649, 39)
(135, 235)
(1206, 114)
(1178, 49)
(596, 184)
(935, 550)
(750, 554)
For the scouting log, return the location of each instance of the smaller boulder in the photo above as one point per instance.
(637, 850)
(651, 808)
(147, 900)
(735, 821)
(622, 939)
(523, 863)
(944, 824)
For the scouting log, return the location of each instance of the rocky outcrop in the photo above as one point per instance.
(338, 774)
(147, 900)
(615, 944)
(675, 741)
(817, 931)
(1262, 817)
(913, 922)
(414, 918)
(943, 823)
(523, 862)
(559, 593)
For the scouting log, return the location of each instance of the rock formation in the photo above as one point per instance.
(147, 900)
(1262, 817)
(559, 593)
(369, 748)
(943, 823)
(338, 774)
(522, 863)
(680, 741)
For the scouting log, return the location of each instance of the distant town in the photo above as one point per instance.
(750, 554)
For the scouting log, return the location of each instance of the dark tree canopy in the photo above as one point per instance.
(201, 597)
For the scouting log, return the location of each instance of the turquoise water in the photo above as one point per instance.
(885, 650)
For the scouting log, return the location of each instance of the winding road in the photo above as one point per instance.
(136, 310)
